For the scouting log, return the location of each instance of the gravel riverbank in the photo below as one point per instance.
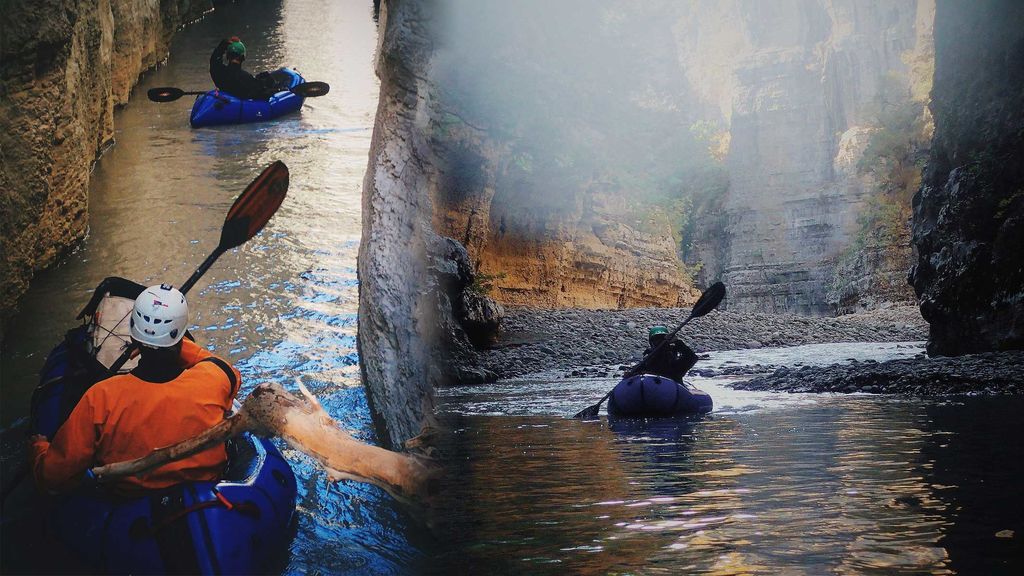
(599, 342)
(989, 373)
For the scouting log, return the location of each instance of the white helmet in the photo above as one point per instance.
(160, 316)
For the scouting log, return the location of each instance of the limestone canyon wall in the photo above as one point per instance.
(552, 246)
(65, 65)
(968, 221)
(546, 136)
(417, 316)
(793, 85)
(587, 150)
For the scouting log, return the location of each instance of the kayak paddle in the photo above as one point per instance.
(170, 93)
(247, 216)
(707, 302)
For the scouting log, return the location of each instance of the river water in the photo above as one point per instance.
(768, 483)
(282, 306)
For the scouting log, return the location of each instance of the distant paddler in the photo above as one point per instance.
(233, 79)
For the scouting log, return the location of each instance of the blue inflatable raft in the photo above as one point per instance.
(216, 107)
(651, 396)
(238, 525)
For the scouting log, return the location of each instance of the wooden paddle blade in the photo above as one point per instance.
(709, 300)
(165, 94)
(312, 89)
(253, 209)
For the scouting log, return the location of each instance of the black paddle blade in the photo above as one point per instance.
(312, 89)
(709, 300)
(253, 209)
(165, 94)
(588, 413)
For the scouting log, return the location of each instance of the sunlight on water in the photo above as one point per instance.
(549, 394)
(769, 483)
(285, 304)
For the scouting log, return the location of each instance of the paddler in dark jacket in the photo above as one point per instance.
(231, 78)
(672, 360)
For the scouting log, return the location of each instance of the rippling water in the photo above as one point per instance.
(768, 483)
(284, 304)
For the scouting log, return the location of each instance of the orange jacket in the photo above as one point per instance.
(125, 417)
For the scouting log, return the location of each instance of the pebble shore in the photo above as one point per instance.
(602, 342)
(988, 373)
(578, 343)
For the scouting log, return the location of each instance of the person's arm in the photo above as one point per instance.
(217, 64)
(217, 58)
(58, 466)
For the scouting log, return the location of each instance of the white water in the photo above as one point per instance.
(547, 393)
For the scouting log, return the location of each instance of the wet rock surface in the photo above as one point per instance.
(968, 224)
(988, 373)
(604, 343)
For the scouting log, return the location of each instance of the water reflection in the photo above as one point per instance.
(284, 305)
(848, 485)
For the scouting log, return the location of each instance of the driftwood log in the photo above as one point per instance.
(270, 410)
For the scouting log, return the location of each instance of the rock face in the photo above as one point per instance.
(792, 83)
(577, 255)
(968, 222)
(64, 67)
(545, 165)
(560, 247)
(413, 283)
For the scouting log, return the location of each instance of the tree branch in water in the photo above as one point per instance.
(270, 410)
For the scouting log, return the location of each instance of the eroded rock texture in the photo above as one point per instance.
(413, 283)
(969, 213)
(552, 152)
(64, 66)
(589, 147)
(548, 245)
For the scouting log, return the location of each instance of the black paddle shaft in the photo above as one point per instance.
(170, 93)
(707, 302)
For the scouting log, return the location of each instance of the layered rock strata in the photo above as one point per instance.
(968, 221)
(792, 83)
(565, 247)
(65, 65)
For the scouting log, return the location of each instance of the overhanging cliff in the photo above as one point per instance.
(415, 305)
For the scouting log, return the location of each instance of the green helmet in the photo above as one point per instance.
(237, 48)
(655, 330)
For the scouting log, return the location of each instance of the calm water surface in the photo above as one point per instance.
(768, 483)
(284, 304)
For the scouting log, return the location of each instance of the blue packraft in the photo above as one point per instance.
(217, 107)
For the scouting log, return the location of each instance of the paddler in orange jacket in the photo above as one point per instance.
(177, 391)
